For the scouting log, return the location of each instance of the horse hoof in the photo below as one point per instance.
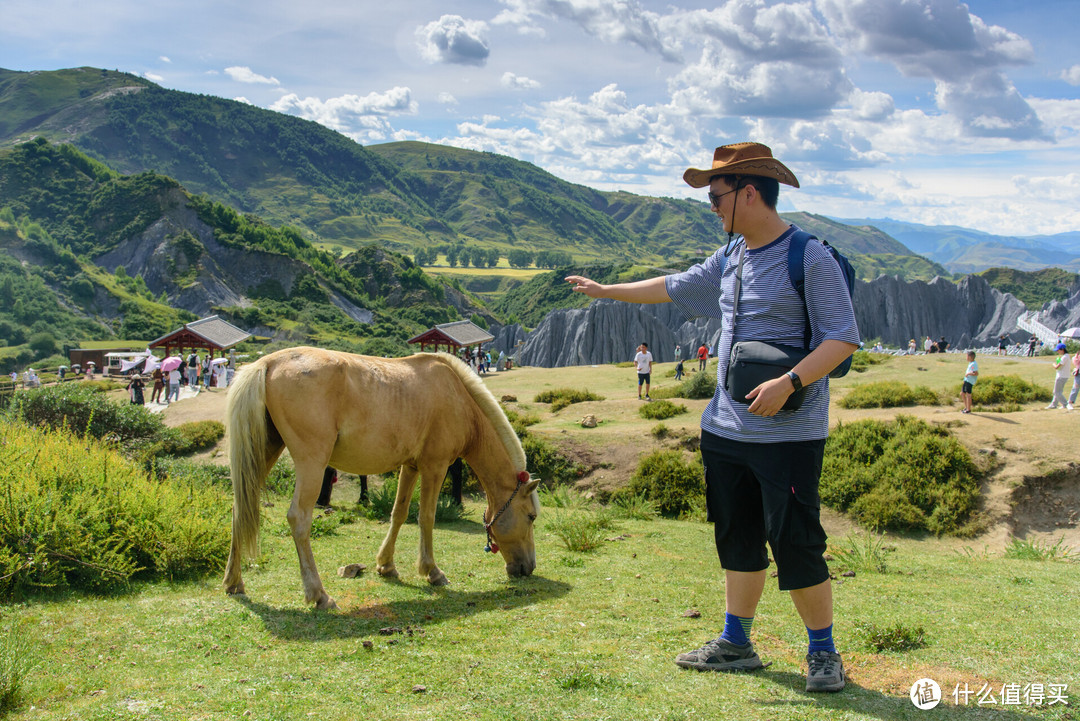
(388, 571)
(236, 590)
(438, 578)
(326, 603)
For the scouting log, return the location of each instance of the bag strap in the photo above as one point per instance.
(797, 274)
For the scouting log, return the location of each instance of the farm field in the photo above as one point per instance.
(592, 634)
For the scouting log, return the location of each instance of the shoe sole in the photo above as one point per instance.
(741, 665)
(830, 688)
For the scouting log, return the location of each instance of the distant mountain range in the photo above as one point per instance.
(963, 250)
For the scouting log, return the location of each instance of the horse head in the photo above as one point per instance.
(510, 531)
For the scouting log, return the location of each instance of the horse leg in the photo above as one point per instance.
(429, 498)
(384, 560)
(308, 483)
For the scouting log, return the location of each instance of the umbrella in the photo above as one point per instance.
(91, 363)
(219, 361)
(59, 367)
(171, 363)
(1073, 332)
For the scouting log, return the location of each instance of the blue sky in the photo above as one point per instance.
(927, 111)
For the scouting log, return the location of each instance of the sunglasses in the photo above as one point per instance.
(714, 199)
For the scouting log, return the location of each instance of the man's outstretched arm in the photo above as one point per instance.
(653, 290)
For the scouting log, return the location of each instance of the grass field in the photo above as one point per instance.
(589, 635)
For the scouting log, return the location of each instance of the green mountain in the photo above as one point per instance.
(404, 196)
(1034, 288)
(86, 252)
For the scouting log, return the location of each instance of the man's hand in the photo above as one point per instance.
(770, 396)
(583, 285)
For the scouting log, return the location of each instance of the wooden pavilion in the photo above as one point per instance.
(455, 336)
(209, 334)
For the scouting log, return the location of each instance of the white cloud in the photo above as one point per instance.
(943, 41)
(154, 77)
(873, 105)
(1071, 75)
(1062, 189)
(164, 59)
(447, 98)
(758, 60)
(243, 74)
(518, 82)
(453, 39)
(361, 117)
(611, 21)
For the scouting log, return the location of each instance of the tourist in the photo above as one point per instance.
(928, 345)
(1076, 380)
(174, 385)
(1003, 344)
(159, 385)
(970, 376)
(702, 356)
(136, 387)
(1062, 371)
(1031, 346)
(762, 463)
(679, 370)
(911, 347)
(643, 361)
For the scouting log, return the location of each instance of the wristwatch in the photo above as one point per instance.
(796, 382)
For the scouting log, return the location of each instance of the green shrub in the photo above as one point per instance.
(545, 461)
(520, 421)
(888, 394)
(862, 360)
(897, 637)
(1006, 390)
(191, 437)
(562, 497)
(660, 431)
(381, 499)
(77, 514)
(560, 398)
(698, 386)
(637, 507)
(659, 410)
(182, 470)
(1036, 550)
(668, 481)
(862, 552)
(905, 474)
(581, 531)
(78, 408)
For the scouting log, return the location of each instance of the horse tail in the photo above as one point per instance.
(245, 415)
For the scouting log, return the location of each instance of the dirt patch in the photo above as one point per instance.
(1048, 505)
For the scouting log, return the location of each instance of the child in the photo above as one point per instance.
(970, 377)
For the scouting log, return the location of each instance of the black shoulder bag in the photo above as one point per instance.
(753, 362)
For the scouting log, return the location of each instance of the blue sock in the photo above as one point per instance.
(737, 629)
(821, 639)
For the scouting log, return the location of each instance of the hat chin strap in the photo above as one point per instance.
(731, 233)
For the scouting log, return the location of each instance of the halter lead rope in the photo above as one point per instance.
(492, 546)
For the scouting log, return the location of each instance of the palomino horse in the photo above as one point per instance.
(370, 415)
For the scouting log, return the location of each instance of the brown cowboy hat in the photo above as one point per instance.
(741, 159)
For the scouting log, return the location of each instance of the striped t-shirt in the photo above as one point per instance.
(770, 309)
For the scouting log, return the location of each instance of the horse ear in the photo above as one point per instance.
(532, 486)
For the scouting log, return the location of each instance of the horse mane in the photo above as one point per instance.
(489, 406)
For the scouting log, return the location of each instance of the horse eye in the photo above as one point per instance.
(532, 517)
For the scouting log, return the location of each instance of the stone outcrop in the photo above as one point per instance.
(969, 314)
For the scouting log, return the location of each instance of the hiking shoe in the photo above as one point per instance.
(720, 655)
(825, 671)
(648, 398)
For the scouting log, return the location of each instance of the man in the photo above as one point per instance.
(762, 464)
(702, 356)
(643, 360)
